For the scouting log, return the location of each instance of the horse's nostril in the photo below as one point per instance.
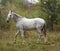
(7, 21)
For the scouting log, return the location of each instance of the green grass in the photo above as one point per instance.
(7, 37)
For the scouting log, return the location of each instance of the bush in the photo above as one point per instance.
(3, 23)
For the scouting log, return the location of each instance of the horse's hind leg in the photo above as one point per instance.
(39, 34)
(45, 37)
(16, 36)
(44, 32)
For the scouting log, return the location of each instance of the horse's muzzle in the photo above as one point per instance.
(7, 21)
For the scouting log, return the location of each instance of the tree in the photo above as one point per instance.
(51, 7)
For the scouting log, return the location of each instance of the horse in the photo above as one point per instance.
(23, 23)
(28, 4)
(33, 1)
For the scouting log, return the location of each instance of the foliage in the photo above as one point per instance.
(6, 42)
(51, 8)
(47, 9)
(3, 23)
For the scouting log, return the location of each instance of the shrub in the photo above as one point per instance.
(3, 15)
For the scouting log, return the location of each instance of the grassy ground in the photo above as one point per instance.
(7, 37)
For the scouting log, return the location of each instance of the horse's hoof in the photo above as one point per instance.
(37, 42)
(14, 42)
(23, 42)
(45, 41)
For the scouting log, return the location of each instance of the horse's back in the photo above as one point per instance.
(39, 20)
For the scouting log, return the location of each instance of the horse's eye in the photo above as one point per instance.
(10, 15)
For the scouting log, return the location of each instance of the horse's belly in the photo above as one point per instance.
(29, 27)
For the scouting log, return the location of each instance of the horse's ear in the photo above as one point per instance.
(11, 11)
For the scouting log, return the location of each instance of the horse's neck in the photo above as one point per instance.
(16, 17)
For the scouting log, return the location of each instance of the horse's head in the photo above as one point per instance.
(10, 15)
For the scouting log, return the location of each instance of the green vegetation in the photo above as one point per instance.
(51, 7)
(47, 9)
(7, 37)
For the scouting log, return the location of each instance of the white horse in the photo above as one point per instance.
(29, 3)
(23, 23)
(33, 1)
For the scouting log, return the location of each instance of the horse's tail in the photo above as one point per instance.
(44, 29)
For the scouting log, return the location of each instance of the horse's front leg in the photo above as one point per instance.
(22, 35)
(16, 36)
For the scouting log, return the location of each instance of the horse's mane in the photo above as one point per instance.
(17, 15)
